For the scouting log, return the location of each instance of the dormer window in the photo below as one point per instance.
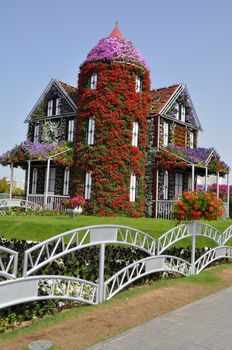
(36, 134)
(91, 132)
(53, 107)
(135, 134)
(180, 112)
(93, 82)
(50, 108)
(138, 84)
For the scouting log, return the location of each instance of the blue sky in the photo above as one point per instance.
(183, 41)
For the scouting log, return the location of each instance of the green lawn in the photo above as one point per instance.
(39, 228)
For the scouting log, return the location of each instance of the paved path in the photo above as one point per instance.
(205, 324)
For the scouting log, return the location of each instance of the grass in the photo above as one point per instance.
(39, 228)
(209, 278)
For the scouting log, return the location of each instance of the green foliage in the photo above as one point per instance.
(4, 186)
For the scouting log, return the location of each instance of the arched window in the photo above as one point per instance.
(93, 81)
(138, 84)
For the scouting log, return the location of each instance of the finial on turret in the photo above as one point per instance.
(116, 23)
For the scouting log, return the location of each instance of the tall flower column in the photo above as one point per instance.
(113, 152)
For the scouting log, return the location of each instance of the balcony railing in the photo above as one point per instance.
(164, 208)
(53, 201)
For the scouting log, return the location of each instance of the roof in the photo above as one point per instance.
(115, 48)
(160, 97)
(72, 91)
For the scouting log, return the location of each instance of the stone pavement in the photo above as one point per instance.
(205, 324)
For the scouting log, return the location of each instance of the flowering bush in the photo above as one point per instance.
(73, 202)
(197, 206)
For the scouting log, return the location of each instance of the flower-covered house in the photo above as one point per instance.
(126, 148)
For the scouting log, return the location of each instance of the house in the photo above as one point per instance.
(128, 149)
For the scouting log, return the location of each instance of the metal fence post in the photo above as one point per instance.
(193, 251)
(101, 293)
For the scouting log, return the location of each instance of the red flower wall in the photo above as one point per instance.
(114, 105)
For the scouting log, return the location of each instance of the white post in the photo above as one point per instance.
(217, 184)
(101, 292)
(11, 179)
(193, 251)
(28, 179)
(206, 178)
(193, 176)
(47, 183)
(228, 194)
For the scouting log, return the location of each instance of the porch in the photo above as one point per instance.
(176, 170)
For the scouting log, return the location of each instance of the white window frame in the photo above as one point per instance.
(51, 180)
(91, 132)
(135, 134)
(57, 112)
(50, 108)
(191, 139)
(36, 134)
(66, 181)
(138, 84)
(132, 188)
(182, 113)
(93, 81)
(165, 194)
(71, 130)
(88, 185)
(179, 183)
(34, 181)
(165, 133)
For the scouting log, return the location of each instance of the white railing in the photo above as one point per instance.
(164, 208)
(53, 201)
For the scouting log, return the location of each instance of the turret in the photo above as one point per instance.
(111, 135)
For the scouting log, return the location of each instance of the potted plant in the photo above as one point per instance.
(74, 205)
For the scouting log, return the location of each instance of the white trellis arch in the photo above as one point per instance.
(42, 287)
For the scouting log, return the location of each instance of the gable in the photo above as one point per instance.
(165, 101)
(55, 89)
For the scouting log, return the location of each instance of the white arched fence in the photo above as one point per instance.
(31, 287)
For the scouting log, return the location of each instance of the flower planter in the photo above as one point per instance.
(75, 212)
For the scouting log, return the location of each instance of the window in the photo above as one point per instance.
(88, 185)
(178, 184)
(36, 133)
(132, 188)
(57, 111)
(53, 107)
(166, 134)
(138, 84)
(165, 185)
(93, 82)
(66, 182)
(34, 181)
(50, 108)
(180, 112)
(70, 130)
(51, 180)
(191, 139)
(91, 131)
(135, 134)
